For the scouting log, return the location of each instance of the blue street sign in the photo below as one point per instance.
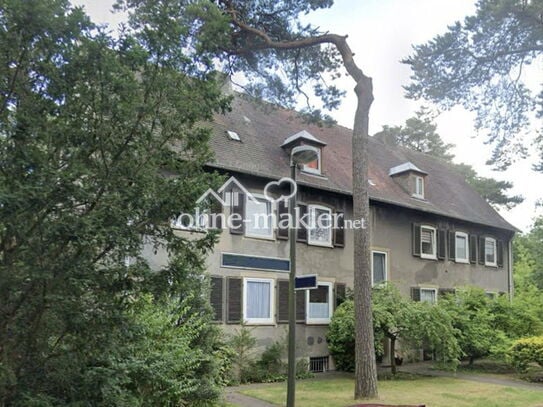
(306, 282)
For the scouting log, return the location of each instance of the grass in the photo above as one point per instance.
(432, 391)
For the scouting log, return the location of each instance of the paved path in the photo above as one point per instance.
(234, 397)
(426, 370)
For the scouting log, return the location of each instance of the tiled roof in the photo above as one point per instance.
(260, 153)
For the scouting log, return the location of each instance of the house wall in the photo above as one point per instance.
(391, 229)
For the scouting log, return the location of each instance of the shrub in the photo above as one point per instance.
(526, 351)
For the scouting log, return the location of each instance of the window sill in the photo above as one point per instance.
(428, 257)
(490, 265)
(258, 237)
(259, 323)
(318, 322)
(461, 261)
(328, 245)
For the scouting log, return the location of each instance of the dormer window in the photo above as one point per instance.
(419, 187)
(305, 138)
(314, 167)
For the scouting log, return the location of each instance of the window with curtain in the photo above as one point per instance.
(379, 267)
(428, 242)
(258, 301)
(428, 295)
(461, 247)
(319, 304)
(259, 219)
(320, 226)
(490, 252)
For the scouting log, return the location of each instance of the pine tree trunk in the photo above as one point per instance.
(366, 367)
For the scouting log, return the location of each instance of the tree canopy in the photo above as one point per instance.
(99, 148)
(480, 63)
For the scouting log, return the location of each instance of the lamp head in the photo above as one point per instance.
(303, 155)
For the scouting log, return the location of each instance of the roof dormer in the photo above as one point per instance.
(411, 178)
(305, 138)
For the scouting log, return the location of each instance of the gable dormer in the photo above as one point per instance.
(411, 178)
(305, 138)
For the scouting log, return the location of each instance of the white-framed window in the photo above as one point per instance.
(428, 295)
(379, 263)
(258, 300)
(428, 242)
(259, 217)
(419, 187)
(314, 167)
(319, 304)
(490, 252)
(461, 247)
(491, 295)
(319, 232)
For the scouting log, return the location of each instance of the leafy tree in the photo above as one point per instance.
(87, 124)
(395, 318)
(281, 59)
(419, 134)
(479, 63)
(529, 247)
(473, 321)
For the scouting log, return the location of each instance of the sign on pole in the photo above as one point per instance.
(306, 282)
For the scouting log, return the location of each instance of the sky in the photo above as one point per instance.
(381, 33)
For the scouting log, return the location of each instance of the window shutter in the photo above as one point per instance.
(340, 293)
(216, 298)
(282, 216)
(499, 249)
(339, 230)
(216, 212)
(442, 244)
(416, 239)
(234, 300)
(282, 301)
(481, 250)
(452, 245)
(415, 294)
(300, 306)
(237, 206)
(473, 249)
(304, 219)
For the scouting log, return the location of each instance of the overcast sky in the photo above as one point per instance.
(381, 33)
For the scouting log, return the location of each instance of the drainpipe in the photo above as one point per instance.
(510, 287)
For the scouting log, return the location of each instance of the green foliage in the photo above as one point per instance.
(525, 351)
(418, 134)
(242, 342)
(481, 59)
(100, 147)
(529, 257)
(395, 318)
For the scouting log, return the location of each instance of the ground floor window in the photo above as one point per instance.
(428, 295)
(319, 304)
(258, 301)
(379, 268)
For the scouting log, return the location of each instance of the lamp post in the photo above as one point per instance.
(298, 155)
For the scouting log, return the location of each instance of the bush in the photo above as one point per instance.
(526, 351)
(340, 336)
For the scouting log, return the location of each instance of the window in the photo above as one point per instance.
(258, 301)
(319, 304)
(320, 226)
(379, 267)
(461, 247)
(490, 252)
(428, 242)
(419, 187)
(313, 167)
(428, 295)
(258, 218)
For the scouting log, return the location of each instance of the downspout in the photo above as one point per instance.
(510, 287)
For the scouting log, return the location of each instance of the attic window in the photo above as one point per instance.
(419, 187)
(314, 167)
(233, 135)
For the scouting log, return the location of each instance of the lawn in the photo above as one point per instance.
(432, 391)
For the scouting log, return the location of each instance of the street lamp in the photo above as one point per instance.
(299, 155)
